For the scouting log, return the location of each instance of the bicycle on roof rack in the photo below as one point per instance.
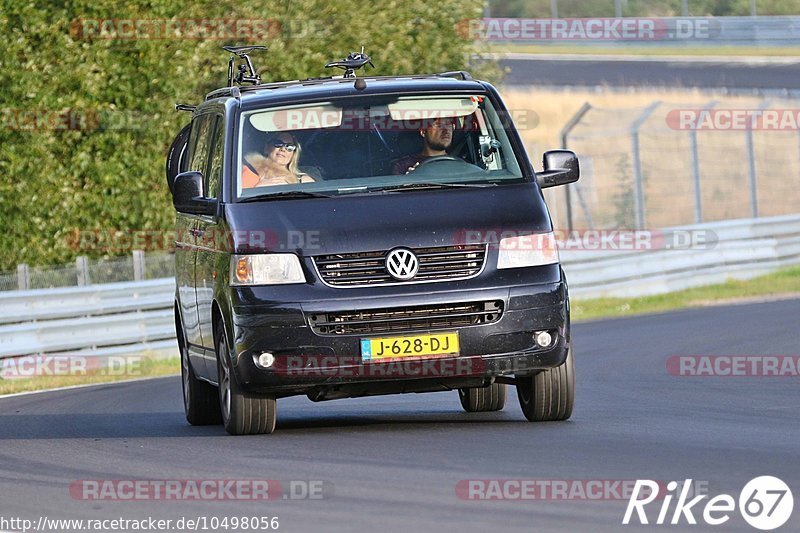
(353, 62)
(245, 72)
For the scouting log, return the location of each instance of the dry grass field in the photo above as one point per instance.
(603, 141)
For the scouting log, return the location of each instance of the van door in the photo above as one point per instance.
(213, 249)
(177, 162)
(192, 238)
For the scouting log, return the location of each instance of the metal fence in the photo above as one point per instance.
(641, 171)
(137, 266)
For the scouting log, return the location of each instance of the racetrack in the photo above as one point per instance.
(725, 75)
(393, 462)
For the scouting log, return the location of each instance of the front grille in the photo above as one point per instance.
(443, 263)
(406, 319)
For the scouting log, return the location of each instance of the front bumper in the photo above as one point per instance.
(326, 366)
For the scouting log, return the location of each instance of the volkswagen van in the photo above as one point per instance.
(371, 259)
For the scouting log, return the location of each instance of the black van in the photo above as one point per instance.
(354, 236)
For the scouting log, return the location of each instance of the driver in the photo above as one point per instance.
(436, 137)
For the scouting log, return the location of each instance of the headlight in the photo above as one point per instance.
(266, 269)
(527, 251)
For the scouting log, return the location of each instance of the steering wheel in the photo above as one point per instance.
(436, 159)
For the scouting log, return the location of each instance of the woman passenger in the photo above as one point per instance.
(278, 165)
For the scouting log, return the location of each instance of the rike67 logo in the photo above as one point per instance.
(766, 503)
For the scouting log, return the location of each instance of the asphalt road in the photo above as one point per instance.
(706, 75)
(392, 463)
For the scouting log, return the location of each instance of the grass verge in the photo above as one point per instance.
(783, 282)
(138, 368)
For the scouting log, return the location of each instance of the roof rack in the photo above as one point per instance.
(229, 91)
(463, 74)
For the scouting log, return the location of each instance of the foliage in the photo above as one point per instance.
(86, 117)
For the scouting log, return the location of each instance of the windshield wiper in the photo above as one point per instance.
(283, 196)
(431, 185)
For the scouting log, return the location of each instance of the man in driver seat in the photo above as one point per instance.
(436, 137)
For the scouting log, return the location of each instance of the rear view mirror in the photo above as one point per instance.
(187, 195)
(560, 167)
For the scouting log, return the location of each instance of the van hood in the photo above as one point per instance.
(364, 223)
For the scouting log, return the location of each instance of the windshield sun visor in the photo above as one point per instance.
(298, 118)
(410, 109)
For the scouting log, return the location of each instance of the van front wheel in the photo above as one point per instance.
(242, 413)
(550, 394)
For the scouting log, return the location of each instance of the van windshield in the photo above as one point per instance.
(373, 144)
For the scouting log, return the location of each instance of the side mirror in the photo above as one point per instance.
(560, 167)
(187, 196)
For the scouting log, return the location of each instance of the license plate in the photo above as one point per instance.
(384, 348)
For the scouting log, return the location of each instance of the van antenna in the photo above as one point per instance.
(246, 73)
(352, 63)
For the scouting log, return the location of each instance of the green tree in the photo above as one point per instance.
(105, 169)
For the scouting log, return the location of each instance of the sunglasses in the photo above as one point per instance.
(289, 147)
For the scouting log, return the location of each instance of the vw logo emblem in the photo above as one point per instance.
(402, 264)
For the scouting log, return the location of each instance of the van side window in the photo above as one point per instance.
(212, 181)
(199, 143)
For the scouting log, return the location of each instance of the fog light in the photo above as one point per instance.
(543, 338)
(266, 360)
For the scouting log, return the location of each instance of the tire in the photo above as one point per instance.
(549, 395)
(200, 399)
(242, 413)
(484, 399)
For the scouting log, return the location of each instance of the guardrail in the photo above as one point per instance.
(119, 318)
(89, 300)
(113, 318)
(738, 249)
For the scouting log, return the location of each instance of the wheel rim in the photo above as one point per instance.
(185, 376)
(224, 381)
